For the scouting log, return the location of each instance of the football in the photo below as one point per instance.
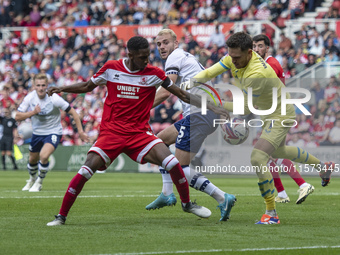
(235, 131)
(25, 130)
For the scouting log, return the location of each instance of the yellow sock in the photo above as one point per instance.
(267, 190)
(259, 159)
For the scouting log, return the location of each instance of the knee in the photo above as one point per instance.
(44, 158)
(259, 158)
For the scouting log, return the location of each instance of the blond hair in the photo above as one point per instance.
(40, 76)
(168, 31)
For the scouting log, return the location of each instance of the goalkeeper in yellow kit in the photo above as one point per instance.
(252, 74)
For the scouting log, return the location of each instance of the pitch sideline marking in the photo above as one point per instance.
(229, 250)
(132, 196)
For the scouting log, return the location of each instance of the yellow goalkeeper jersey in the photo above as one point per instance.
(257, 75)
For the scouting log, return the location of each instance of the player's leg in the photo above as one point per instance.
(11, 156)
(43, 166)
(299, 155)
(3, 152)
(259, 159)
(161, 155)
(191, 131)
(99, 157)
(93, 162)
(168, 136)
(9, 153)
(199, 182)
(305, 188)
(36, 144)
(194, 134)
(50, 143)
(275, 171)
(32, 167)
(3, 155)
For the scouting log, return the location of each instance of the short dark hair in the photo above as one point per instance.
(240, 40)
(262, 37)
(137, 43)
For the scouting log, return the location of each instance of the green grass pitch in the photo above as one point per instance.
(109, 217)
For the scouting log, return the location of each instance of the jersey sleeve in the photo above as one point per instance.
(215, 70)
(59, 102)
(100, 78)
(23, 107)
(173, 63)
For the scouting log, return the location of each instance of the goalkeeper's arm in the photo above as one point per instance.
(203, 76)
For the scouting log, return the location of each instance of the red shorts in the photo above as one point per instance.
(109, 145)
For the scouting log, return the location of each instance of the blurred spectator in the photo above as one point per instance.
(223, 17)
(263, 12)
(205, 9)
(192, 44)
(295, 7)
(216, 38)
(165, 115)
(315, 37)
(332, 13)
(331, 89)
(311, 60)
(285, 42)
(330, 47)
(334, 134)
(318, 91)
(316, 49)
(235, 11)
(296, 141)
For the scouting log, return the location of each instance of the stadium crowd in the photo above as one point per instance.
(77, 58)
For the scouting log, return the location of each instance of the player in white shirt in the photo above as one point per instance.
(44, 112)
(189, 133)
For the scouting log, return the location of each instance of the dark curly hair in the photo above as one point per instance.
(137, 43)
(240, 40)
(262, 37)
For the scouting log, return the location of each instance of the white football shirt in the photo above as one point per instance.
(186, 66)
(48, 120)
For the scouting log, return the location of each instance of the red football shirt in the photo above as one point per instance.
(277, 68)
(130, 96)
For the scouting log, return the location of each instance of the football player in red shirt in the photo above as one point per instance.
(131, 87)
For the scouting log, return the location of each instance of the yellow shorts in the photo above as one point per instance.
(275, 131)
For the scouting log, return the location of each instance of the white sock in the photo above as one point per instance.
(283, 194)
(218, 195)
(167, 182)
(304, 185)
(271, 213)
(209, 189)
(39, 180)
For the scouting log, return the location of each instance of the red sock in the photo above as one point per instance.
(74, 188)
(182, 186)
(292, 172)
(276, 176)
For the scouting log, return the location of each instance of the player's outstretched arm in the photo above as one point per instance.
(161, 95)
(83, 136)
(193, 99)
(78, 88)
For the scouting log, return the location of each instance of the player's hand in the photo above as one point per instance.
(219, 110)
(37, 109)
(84, 137)
(53, 90)
(186, 85)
